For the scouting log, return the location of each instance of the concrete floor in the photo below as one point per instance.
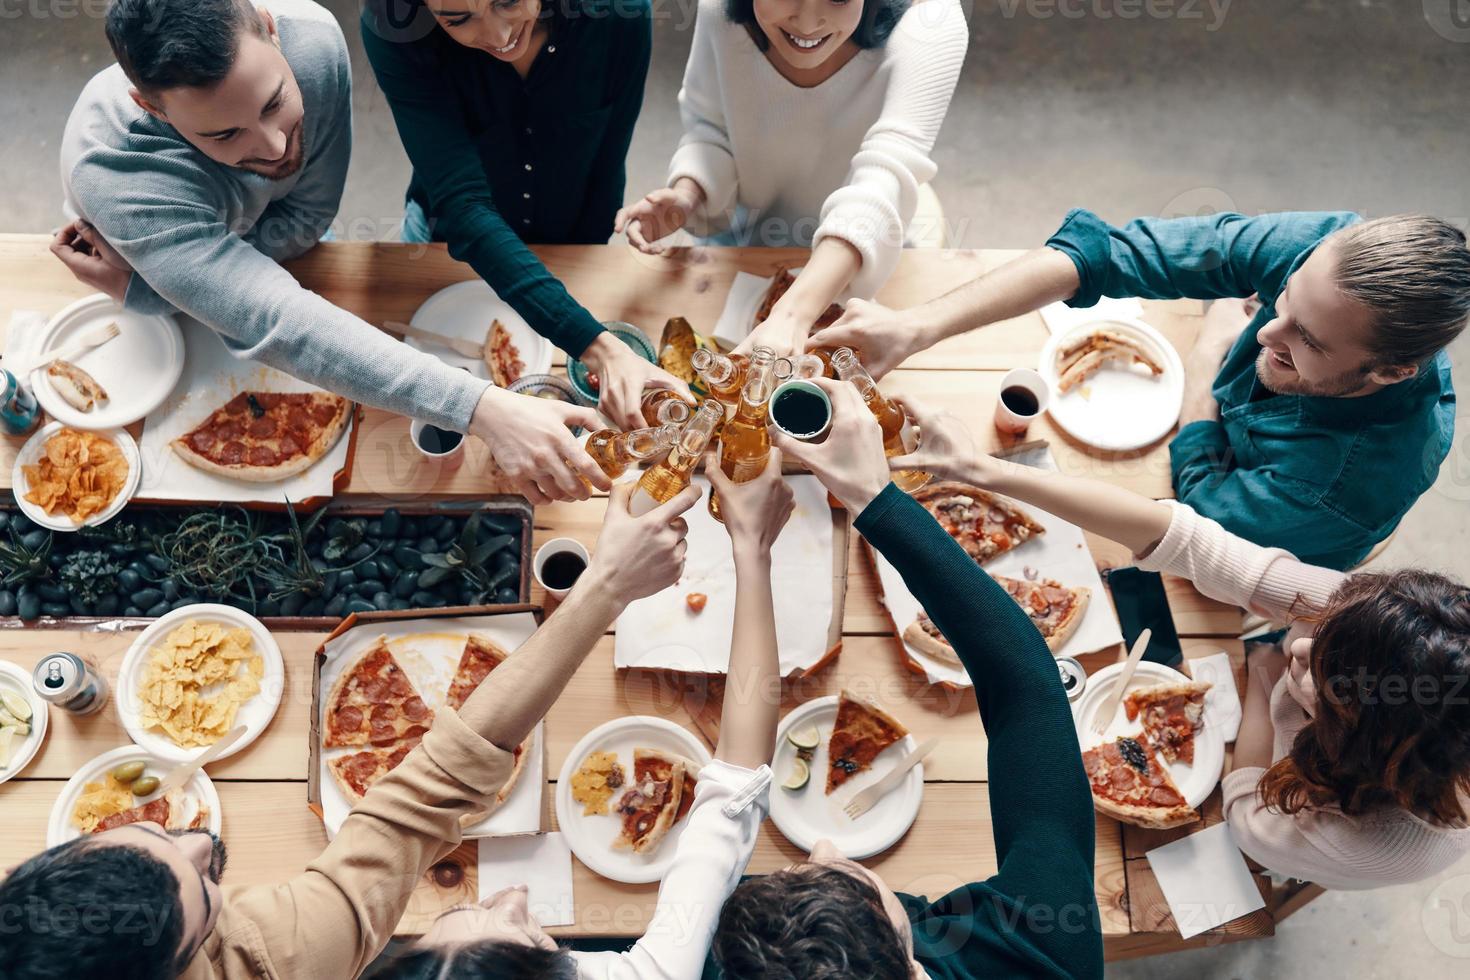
(1291, 104)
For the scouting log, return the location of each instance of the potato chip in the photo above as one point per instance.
(100, 801)
(196, 680)
(78, 474)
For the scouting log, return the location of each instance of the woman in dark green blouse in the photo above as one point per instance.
(516, 116)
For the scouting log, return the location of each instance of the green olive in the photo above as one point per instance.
(127, 772)
(145, 785)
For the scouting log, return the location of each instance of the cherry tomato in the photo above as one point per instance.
(696, 601)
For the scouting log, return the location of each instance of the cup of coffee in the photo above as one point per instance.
(444, 446)
(1024, 395)
(558, 564)
(801, 410)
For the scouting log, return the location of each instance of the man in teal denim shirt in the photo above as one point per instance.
(1328, 416)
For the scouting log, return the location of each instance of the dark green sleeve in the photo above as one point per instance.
(1040, 803)
(1266, 505)
(461, 207)
(634, 40)
(1208, 257)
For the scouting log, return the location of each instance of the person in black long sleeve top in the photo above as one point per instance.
(831, 918)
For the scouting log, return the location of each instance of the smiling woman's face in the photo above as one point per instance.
(805, 33)
(504, 29)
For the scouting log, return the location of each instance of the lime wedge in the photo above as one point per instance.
(16, 705)
(801, 774)
(804, 738)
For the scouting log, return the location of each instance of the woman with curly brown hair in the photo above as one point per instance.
(1352, 767)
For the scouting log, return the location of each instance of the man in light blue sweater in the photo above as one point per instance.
(216, 148)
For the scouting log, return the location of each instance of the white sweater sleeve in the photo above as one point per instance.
(705, 154)
(872, 210)
(1224, 566)
(730, 803)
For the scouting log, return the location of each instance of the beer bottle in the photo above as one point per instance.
(898, 432)
(663, 406)
(615, 451)
(745, 444)
(665, 480)
(723, 376)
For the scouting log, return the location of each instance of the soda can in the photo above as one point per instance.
(70, 683)
(1074, 678)
(19, 412)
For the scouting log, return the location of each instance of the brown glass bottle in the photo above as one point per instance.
(663, 406)
(723, 375)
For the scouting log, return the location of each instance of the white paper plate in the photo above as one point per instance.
(31, 452)
(465, 311)
(255, 714)
(12, 678)
(1196, 781)
(59, 828)
(591, 838)
(138, 368)
(808, 815)
(1117, 409)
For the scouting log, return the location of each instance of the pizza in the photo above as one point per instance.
(481, 655)
(356, 773)
(659, 794)
(1172, 714)
(263, 436)
(172, 811)
(502, 357)
(780, 283)
(1083, 357)
(1130, 784)
(374, 702)
(984, 524)
(862, 731)
(1055, 610)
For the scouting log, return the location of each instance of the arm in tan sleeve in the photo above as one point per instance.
(334, 918)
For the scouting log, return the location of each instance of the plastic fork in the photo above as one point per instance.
(1103, 719)
(868, 798)
(92, 338)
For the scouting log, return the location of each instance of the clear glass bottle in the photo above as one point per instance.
(723, 375)
(671, 475)
(898, 432)
(615, 451)
(745, 443)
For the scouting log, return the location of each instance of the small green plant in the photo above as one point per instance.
(466, 558)
(89, 575)
(26, 558)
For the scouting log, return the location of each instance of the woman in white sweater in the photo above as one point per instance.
(1352, 766)
(808, 123)
(500, 937)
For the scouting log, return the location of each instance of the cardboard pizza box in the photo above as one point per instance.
(427, 664)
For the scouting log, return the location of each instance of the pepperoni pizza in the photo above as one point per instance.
(862, 730)
(1130, 784)
(263, 436)
(374, 702)
(1172, 714)
(984, 524)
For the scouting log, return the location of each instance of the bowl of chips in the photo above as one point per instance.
(67, 478)
(196, 673)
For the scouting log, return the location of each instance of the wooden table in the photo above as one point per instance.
(271, 833)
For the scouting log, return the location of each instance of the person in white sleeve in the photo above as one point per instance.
(500, 937)
(808, 123)
(1352, 766)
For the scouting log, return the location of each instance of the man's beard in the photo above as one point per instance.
(218, 854)
(282, 171)
(1337, 386)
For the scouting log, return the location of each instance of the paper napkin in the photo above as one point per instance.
(1204, 879)
(541, 862)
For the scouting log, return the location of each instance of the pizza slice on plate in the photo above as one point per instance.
(1130, 784)
(660, 792)
(1172, 714)
(356, 772)
(984, 524)
(1081, 358)
(174, 810)
(373, 701)
(482, 655)
(862, 730)
(263, 436)
(502, 356)
(1054, 608)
